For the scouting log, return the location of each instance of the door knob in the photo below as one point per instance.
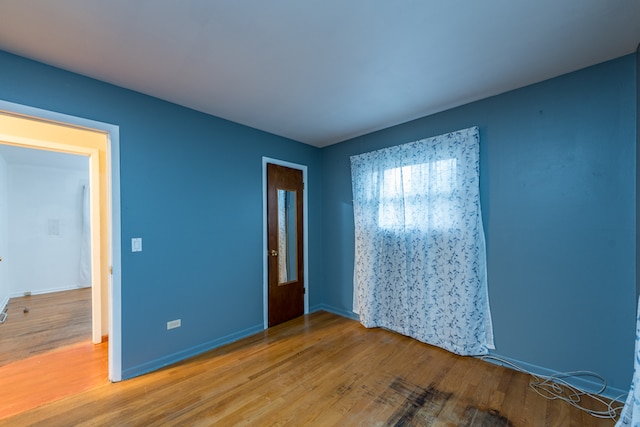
(274, 252)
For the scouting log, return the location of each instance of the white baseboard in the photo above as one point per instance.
(45, 291)
(4, 303)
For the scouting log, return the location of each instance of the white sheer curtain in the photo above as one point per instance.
(630, 416)
(85, 245)
(420, 263)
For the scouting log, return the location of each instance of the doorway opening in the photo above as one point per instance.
(272, 255)
(44, 130)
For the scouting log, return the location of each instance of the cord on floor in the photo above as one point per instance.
(555, 386)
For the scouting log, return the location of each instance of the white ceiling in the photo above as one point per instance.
(320, 71)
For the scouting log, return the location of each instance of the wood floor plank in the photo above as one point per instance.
(46, 377)
(318, 370)
(40, 323)
(45, 350)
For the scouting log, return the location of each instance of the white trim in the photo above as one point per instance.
(96, 270)
(265, 243)
(45, 291)
(4, 302)
(113, 182)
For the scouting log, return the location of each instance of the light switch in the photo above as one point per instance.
(136, 244)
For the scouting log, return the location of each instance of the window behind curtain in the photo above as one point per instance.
(401, 192)
(420, 263)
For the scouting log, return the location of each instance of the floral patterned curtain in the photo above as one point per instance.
(630, 416)
(420, 263)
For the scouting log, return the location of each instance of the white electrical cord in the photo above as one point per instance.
(555, 387)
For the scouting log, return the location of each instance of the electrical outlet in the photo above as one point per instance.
(174, 324)
(136, 244)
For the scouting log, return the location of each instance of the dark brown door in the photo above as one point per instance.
(285, 244)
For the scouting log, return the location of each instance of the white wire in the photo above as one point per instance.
(554, 387)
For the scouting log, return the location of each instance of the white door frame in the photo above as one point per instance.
(113, 210)
(265, 234)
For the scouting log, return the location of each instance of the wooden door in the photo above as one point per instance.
(285, 243)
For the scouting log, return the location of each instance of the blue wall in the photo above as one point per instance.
(557, 182)
(558, 186)
(637, 172)
(191, 187)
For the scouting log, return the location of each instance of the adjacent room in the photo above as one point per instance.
(46, 232)
(319, 213)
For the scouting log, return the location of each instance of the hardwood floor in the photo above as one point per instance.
(321, 370)
(47, 377)
(46, 351)
(41, 323)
